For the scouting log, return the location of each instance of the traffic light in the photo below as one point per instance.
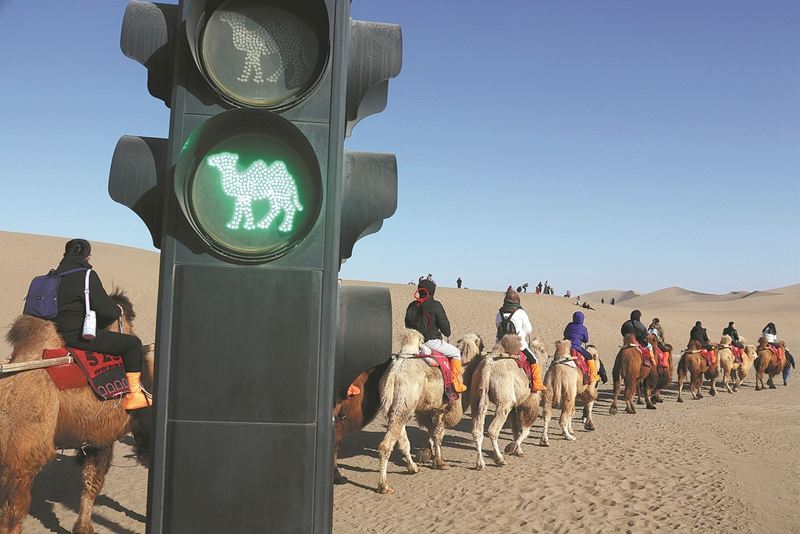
(254, 203)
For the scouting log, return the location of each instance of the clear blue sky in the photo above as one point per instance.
(598, 145)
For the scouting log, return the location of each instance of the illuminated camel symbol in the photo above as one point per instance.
(258, 182)
(260, 41)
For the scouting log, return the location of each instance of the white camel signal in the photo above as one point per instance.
(280, 42)
(257, 182)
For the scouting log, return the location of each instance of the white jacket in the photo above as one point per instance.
(520, 321)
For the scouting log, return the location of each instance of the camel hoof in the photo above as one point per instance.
(480, 467)
(639, 402)
(384, 490)
(651, 407)
(544, 443)
(413, 469)
(680, 399)
(571, 438)
(630, 410)
(613, 410)
(712, 393)
(773, 387)
(589, 426)
(499, 461)
(438, 463)
(339, 479)
(511, 448)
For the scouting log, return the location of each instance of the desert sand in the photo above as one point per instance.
(729, 463)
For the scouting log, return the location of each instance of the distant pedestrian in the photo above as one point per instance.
(539, 289)
(612, 301)
(458, 282)
(525, 287)
(602, 300)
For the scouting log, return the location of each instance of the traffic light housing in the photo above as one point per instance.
(254, 203)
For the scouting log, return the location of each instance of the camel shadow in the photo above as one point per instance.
(60, 482)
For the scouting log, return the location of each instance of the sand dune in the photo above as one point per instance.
(723, 464)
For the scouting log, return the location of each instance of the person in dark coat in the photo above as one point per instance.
(730, 330)
(72, 310)
(635, 326)
(440, 325)
(698, 333)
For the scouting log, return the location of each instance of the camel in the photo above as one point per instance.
(36, 419)
(500, 379)
(658, 378)
(564, 383)
(767, 362)
(628, 366)
(695, 364)
(411, 387)
(732, 371)
(356, 412)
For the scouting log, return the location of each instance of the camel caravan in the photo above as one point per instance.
(427, 379)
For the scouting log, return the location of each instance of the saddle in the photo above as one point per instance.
(437, 359)
(775, 350)
(709, 355)
(580, 362)
(737, 354)
(103, 372)
(525, 365)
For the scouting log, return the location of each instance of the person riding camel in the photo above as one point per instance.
(512, 309)
(730, 330)
(438, 325)
(656, 328)
(698, 333)
(634, 326)
(71, 313)
(577, 333)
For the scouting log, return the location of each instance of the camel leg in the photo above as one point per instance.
(726, 378)
(96, 463)
(630, 389)
(617, 387)
(436, 435)
(639, 393)
(394, 432)
(567, 412)
(404, 446)
(478, 421)
(500, 416)
(713, 389)
(547, 413)
(589, 425)
(16, 488)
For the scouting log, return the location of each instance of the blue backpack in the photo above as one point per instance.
(42, 298)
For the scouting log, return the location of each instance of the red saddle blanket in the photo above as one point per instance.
(104, 372)
(525, 365)
(437, 359)
(775, 350)
(709, 355)
(737, 354)
(580, 361)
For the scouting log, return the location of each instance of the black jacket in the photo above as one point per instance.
(636, 328)
(731, 331)
(436, 311)
(71, 305)
(698, 333)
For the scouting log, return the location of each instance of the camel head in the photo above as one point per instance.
(629, 339)
(562, 348)
(652, 339)
(694, 345)
(509, 344)
(725, 340)
(539, 348)
(470, 346)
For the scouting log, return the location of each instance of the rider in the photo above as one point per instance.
(730, 330)
(698, 333)
(577, 333)
(440, 325)
(634, 326)
(656, 328)
(71, 313)
(522, 323)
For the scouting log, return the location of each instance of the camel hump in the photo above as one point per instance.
(29, 336)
